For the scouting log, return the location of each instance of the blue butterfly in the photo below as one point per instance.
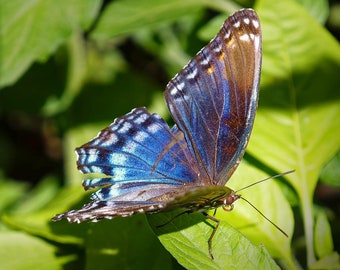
(151, 167)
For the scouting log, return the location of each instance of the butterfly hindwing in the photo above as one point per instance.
(143, 158)
(130, 150)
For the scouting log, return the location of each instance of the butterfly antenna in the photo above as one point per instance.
(266, 179)
(258, 182)
(276, 226)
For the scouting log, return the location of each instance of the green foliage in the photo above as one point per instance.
(68, 68)
(32, 30)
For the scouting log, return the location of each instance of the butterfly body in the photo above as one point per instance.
(151, 167)
(202, 198)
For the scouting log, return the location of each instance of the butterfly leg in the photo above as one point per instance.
(174, 217)
(213, 232)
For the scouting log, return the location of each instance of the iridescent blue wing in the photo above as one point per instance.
(138, 147)
(144, 160)
(214, 98)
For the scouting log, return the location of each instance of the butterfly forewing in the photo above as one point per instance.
(214, 98)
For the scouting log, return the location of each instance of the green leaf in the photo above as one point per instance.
(186, 238)
(32, 30)
(21, 251)
(298, 120)
(330, 174)
(122, 17)
(37, 198)
(124, 243)
(330, 262)
(10, 192)
(319, 9)
(323, 243)
(209, 29)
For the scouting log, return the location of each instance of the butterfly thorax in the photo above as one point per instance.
(200, 198)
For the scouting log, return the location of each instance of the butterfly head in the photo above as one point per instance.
(228, 201)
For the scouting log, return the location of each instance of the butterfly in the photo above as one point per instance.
(150, 167)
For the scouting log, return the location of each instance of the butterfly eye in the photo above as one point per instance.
(228, 202)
